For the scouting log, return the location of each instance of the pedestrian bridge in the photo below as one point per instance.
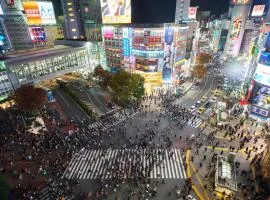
(39, 65)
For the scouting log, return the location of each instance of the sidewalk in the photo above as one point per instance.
(200, 165)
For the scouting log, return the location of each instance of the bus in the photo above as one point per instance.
(49, 94)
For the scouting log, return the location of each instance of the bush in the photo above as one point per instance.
(4, 188)
(86, 109)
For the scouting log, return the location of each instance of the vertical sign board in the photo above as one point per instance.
(236, 31)
(126, 47)
(258, 10)
(167, 60)
(192, 12)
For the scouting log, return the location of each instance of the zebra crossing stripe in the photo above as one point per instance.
(93, 164)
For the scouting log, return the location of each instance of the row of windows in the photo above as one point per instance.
(4, 93)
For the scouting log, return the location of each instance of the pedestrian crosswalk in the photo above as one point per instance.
(114, 120)
(195, 123)
(126, 163)
(52, 192)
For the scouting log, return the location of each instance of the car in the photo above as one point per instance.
(192, 108)
(217, 93)
(192, 87)
(203, 99)
(213, 99)
(197, 103)
(89, 85)
(208, 104)
(201, 110)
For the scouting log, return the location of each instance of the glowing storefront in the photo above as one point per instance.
(155, 51)
(259, 91)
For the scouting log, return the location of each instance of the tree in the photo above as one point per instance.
(106, 79)
(203, 58)
(104, 76)
(199, 71)
(29, 98)
(99, 71)
(138, 86)
(126, 85)
(4, 188)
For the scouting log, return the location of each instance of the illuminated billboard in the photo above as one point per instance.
(168, 53)
(192, 12)
(1, 10)
(262, 74)
(39, 13)
(257, 10)
(240, 2)
(115, 11)
(236, 28)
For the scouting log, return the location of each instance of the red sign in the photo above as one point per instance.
(240, 2)
(243, 102)
(192, 11)
(236, 28)
(154, 39)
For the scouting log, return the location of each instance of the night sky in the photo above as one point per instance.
(162, 11)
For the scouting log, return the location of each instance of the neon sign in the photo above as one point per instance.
(236, 28)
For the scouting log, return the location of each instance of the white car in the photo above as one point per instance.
(213, 99)
(192, 108)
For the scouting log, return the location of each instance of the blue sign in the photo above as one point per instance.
(167, 75)
(169, 34)
(265, 58)
(126, 47)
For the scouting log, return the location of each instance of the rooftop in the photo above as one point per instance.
(33, 54)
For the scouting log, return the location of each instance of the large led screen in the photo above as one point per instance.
(257, 10)
(262, 74)
(115, 11)
(39, 13)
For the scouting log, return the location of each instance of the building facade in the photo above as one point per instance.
(181, 11)
(156, 51)
(239, 12)
(16, 25)
(73, 21)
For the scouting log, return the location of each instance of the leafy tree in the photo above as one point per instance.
(29, 98)
(99, 71)
(126, 85)
(199, 71)
(106, 79)
(104, 76)
(4, 188)
(138, 85)
(203, 58)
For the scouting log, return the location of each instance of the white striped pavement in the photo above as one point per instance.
(117, 118)
(94, 164)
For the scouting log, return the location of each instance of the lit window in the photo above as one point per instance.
(86, 9)
(71, 14)
(75, 37)
(70, 9)
(74, 30)
(72, 20)
(69, 3)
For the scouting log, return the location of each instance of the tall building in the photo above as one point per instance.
(156, 51)
(238, 12)
(181, 11)
(16, 25)
(5, 44)
(73, 20)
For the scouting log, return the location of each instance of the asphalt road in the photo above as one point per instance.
(96, 96)
(193, 95)
(119, 142)
(72, 110)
